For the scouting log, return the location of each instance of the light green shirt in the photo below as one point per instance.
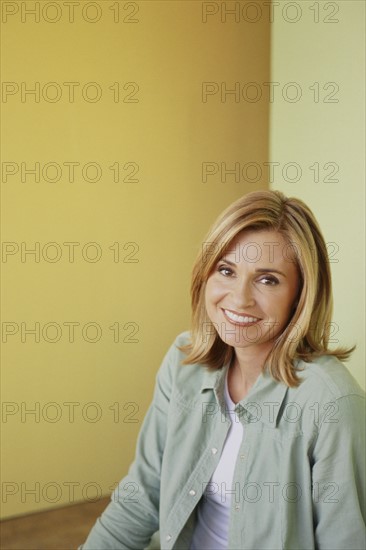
(299, 478)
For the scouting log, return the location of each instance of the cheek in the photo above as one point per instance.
(214, 291)
(284, 309)
(213, 295)
(278, 307)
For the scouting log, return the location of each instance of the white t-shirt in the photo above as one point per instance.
(214, 508)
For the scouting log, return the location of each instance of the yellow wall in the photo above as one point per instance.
(161, 131)
(321, 52)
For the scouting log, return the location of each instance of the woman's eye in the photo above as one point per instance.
(226, 271)
(269, 280)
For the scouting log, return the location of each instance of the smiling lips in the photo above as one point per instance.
(240, 319)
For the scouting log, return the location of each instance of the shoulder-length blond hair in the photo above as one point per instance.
(306, 336)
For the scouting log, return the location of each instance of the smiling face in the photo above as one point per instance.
(251, 292)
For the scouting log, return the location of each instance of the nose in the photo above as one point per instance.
(242, 294)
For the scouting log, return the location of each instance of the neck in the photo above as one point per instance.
(249, 363)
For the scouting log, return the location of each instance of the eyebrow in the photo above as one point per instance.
(258, 270)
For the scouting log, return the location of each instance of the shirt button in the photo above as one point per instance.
(242, 456)
(213, 450)
(192, 492)
(168, 537)
(237, 507)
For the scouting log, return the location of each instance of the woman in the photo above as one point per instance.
(254, 438)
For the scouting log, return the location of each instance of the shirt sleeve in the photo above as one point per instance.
(132, 516)
(339, 476)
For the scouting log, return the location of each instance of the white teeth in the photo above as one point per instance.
(240, 318)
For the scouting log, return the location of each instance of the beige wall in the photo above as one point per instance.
(322, 55)
(172, 137)
(162, 133)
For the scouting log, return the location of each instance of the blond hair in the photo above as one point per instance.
(306, 336)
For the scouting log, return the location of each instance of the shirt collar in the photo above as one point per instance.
(262, 403)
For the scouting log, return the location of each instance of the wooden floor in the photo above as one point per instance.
(61, 529)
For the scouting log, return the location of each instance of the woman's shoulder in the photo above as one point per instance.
(326, 376)
(331, 400)
(184, 378)
(183, 338)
